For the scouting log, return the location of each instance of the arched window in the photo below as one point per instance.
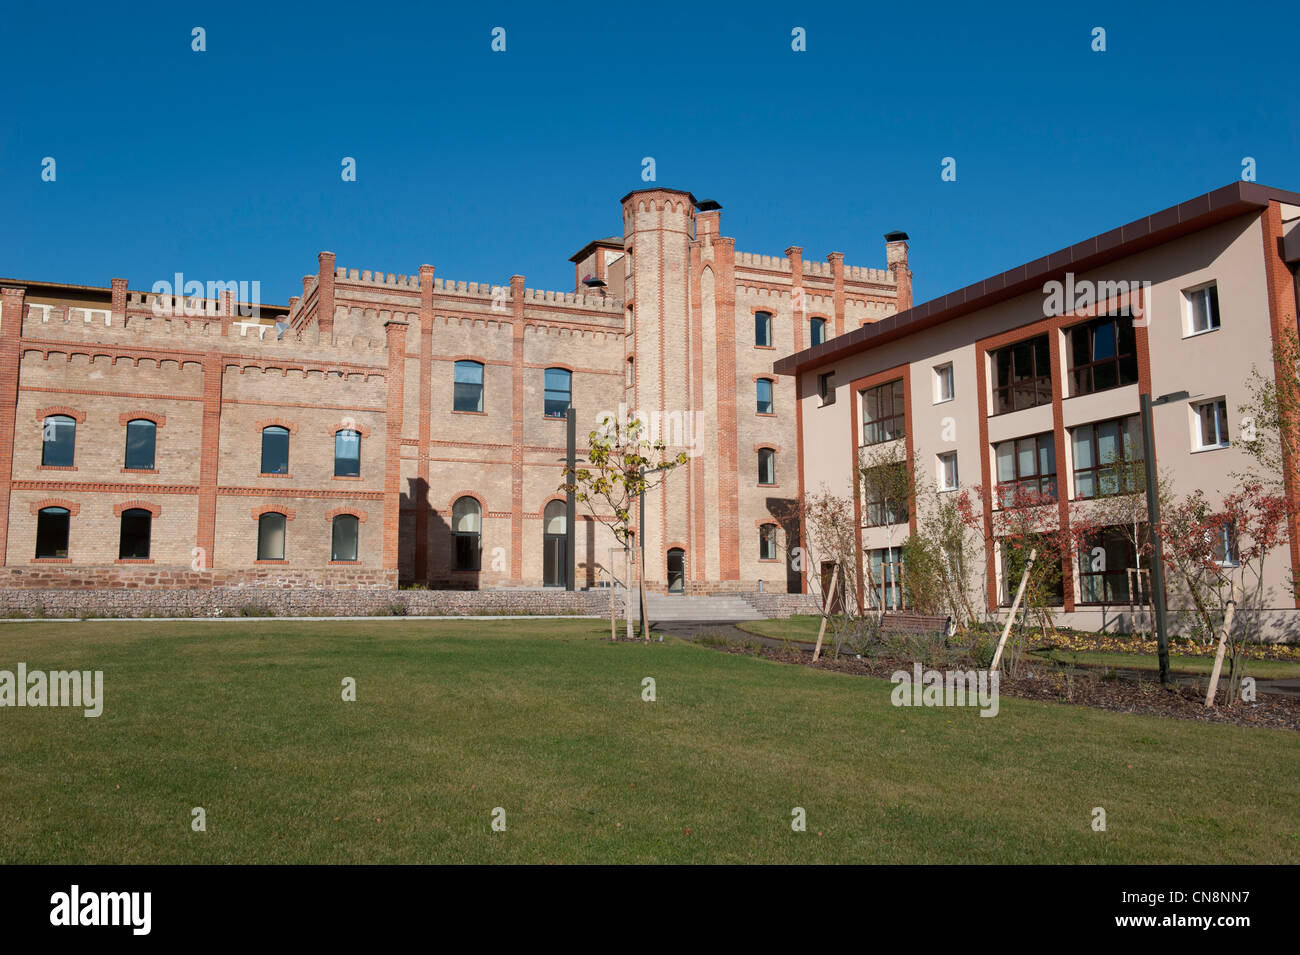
(468, 387)
(343, 543)
(766, 466)
(275, 450)
(141, 435)
(554, 544)
(466, 531)
(270, 536)
(347, 453)
(763, 329)
(58, 441)
(767, 542)
(559, 392)
(52, 533)
(137, 527)
(631, 371)
(816, 331)
(764, 389)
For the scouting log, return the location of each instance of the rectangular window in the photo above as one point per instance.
(59, 441)
(1212, 424)
(885, 494)
(1046, 578)
(766, 466)
(943, 384)
(134, 541)
(140, 439)
(1026, 470)
(948, 480)
(767, 542)
(347, 453)
(1106, 569)
(1104, 459)
(883, 416)
(1022, 375)
(275, 450)
(763, 329)
(886, 576)
(559, 392)
(1224, 536)
(816, 331)
(1202, 309)
(52, 533)
(1103, 354)
(468, 387)
(763, 391)
(826, 387)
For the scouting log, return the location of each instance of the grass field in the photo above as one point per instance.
(804, 628)
(545, 719)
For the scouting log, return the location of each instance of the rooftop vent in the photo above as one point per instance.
(708, 205)
(895, 236)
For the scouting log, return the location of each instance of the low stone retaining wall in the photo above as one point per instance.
(782, 605)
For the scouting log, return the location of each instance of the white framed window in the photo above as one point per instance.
(944, 389)
(1222, 537)
(948, 477)
(1202, 308)
(1211, 424)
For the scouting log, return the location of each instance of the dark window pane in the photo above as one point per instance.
(275, 450)
(818, 331)
(52, 532)
(140, 437)
(59, 439)
(762, 328)
(468, 387)
(270, 537)
(764, 393)
(343, 543)
(136, 527)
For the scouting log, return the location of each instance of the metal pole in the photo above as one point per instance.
(570, 505)
(1153, 525)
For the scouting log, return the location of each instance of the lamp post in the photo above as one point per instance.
(1153, 525)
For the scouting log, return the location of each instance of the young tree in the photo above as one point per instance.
(885, 484)
(622, 465)
(829, 542)
(943, 573)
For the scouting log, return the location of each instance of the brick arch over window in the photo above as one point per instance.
(541, 512)
(153, 509)
(277, 423)
(288, 512)
(72, 507)
(356, 512)
(73, 413)
(451, 501)
(356, 426)
(128, 416)
(767, 446)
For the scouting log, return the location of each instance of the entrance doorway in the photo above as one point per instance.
(555, 551)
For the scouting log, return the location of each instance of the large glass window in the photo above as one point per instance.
(882, 413)
(270, 536)
(762, 329)
(1103, 354)
(137, 526)
(1022, 375)
(1103, 458)
(559, 392)
(52, 533)
(763, 391)
(466, 530)
(343, 537)
(885, 493)
(141, 434)
(347, 453)
(275, 450)
(1026, 470)
(886, 578)
(468, 386)
(1107, 569)
(58, 441)
(1047, 579)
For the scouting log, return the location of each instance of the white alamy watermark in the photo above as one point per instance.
(1073, 297)
(74, 907)
(679, 430)
(947, 688)
(182, 297)
(82, 689)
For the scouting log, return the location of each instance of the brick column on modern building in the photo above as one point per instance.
(421, 496)
(11, 330)
(896, 262)
(836, 259)
(395, 339)
(517, 431)
(209, 456)
(119, 299)
(325, 296)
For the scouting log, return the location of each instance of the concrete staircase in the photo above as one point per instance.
(666, 608)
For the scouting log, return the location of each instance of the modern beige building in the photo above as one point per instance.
(1032, 379)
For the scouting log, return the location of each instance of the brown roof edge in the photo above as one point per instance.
(613, 242)
(1193, 215)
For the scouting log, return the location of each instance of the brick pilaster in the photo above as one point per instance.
(836, 259)
(119, 298)
(421, 503)
(728, 487)
(798, 307)
(209, 455)
(395, 338)
(11, 329)
(517, 432)
(325, 296)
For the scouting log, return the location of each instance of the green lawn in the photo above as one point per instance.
(545, 719)
(804, 628)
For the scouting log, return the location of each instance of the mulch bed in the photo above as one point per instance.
(1039, 682)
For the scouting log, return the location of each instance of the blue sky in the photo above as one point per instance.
(225, 165)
